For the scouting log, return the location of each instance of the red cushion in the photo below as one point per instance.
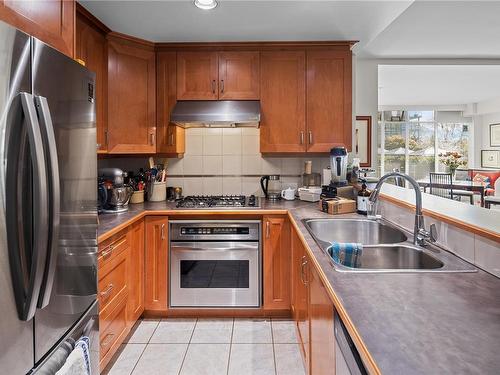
(492, 174)
(489, 191)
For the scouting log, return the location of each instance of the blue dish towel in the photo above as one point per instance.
(347, 254)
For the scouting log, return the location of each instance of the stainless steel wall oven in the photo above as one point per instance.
(215, 263)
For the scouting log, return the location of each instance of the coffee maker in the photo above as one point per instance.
(338, 165)
(271, 186)
(113, 193)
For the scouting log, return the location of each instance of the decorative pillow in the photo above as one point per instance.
(485, 180)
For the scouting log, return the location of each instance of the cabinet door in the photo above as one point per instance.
(239, 75)
(276, 263)
(300, 299)
(197, 76)
(322, 334)
(329, 100)
(283, 101)
(170, 138)
(156, 263)
(91, 48)
(131, 97)
(52, 21)
(135, 301)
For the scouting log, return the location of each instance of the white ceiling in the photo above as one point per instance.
(442, 29)
(396, 29)
(236, 20)
(437, 84)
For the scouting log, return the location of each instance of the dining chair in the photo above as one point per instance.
(437, 180)
(463, 175)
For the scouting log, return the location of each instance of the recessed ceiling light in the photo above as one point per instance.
(205, 4)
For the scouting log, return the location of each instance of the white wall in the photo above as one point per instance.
(484, 113)
(366, 94)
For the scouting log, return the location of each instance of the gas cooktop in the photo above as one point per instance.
(218, 201)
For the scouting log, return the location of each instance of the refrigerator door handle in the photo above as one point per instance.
(26, 292)
(49, 139)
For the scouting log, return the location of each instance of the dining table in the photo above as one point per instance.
(474, 186)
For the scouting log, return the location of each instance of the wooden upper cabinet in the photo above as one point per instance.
(283, 101)
(329, 100)
(197, 76)
(156, 263)
(322, 335)
(131, 96)
(239, 75)
(170, 138)
(276, 263)
(91, 48)
(52, 21)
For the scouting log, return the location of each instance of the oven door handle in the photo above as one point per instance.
(218, 247)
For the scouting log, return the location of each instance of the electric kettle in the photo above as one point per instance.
(271, 186)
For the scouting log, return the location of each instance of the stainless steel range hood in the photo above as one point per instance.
(216, 114)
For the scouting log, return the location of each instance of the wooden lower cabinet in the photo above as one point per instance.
(113, 290)
(322, 335)
(276, 262)
(120, 287)
(156, 263)
(300, 294)
(135, 301)
(312, 310)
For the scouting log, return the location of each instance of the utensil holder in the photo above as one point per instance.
(159, 192)
(137, 197)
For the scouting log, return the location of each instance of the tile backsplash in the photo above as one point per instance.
(224, 161)
(228, 161)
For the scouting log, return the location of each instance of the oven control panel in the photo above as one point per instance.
(214, 230)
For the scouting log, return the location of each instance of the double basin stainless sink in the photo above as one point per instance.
(385, 248)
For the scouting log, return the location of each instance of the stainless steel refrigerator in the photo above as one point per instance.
(48, 211)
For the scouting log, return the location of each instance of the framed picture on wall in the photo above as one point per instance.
(495, 135)
(363, 140)
(490, 158)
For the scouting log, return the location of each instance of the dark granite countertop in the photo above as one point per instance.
(413, 323)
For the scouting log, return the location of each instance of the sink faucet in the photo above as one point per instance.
(420, 234)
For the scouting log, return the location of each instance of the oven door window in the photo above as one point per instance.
(215, 273)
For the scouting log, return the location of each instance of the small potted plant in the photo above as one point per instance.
(453, 160)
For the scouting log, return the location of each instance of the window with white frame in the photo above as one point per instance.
(412, 141)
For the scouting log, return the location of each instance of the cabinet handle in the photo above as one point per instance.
(171, 141)
(162, 231)
(213, 86)
(105, 293)
(268, 229)
(106, 138)
(107, 253)
(222, 86)
(152, 139)
(108, 339)
(310, 137)
(301, 137)
(302, 271)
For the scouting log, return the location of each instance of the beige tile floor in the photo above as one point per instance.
(210, 346)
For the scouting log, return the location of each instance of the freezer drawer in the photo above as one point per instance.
(88, 326)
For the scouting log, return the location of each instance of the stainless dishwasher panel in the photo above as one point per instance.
(347, 359)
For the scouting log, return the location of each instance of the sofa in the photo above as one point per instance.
(492, 174)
